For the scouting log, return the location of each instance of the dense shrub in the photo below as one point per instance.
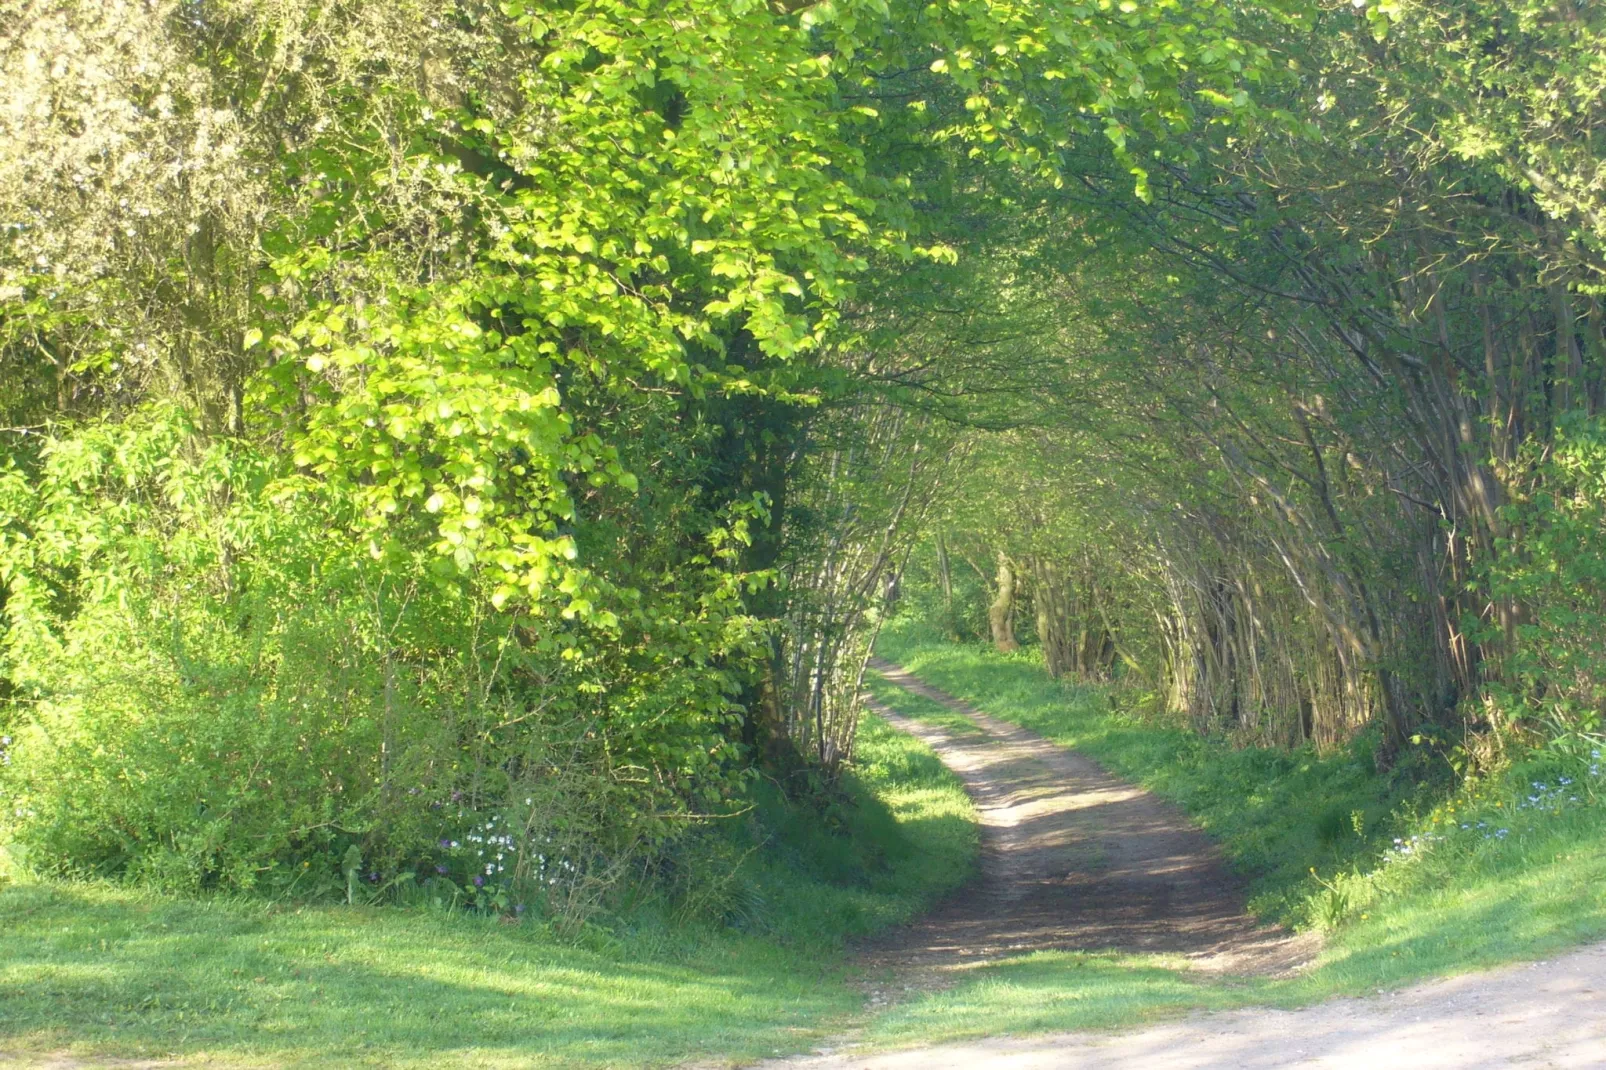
(213, 686)
(1552, 576)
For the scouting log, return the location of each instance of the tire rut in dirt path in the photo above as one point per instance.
(1072, 858)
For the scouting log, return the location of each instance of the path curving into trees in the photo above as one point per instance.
(1073, 858)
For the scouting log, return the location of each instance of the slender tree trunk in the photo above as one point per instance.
(1001, 614)
(945, 575)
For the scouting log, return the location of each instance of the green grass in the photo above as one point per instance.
(956, 725)
(1058, 990)
(1466, 900)
(1277, 813)
(101, 970)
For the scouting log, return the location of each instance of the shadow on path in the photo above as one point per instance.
(1073, 858)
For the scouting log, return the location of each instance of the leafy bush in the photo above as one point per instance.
(214, 685)
(1552, 576)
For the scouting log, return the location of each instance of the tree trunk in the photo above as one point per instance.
(1053, 616)
(1001, 614)
(945, 575)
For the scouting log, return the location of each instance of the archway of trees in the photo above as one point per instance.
(535, 408)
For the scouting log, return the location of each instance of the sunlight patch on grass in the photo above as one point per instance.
(1056, 990)
(920, 708)
(108, 971)
(101, 969)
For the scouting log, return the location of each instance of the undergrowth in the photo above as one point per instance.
(738, 956)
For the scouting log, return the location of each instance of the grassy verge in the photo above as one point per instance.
(111, 972)
(1410, 881)
(909, 704)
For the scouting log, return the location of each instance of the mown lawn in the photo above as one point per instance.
(100, 970)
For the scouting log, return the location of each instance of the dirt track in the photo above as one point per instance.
(1074, 858)
(1543, 1016)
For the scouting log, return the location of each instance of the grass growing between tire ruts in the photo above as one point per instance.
(96, 970)
(1411, 880)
